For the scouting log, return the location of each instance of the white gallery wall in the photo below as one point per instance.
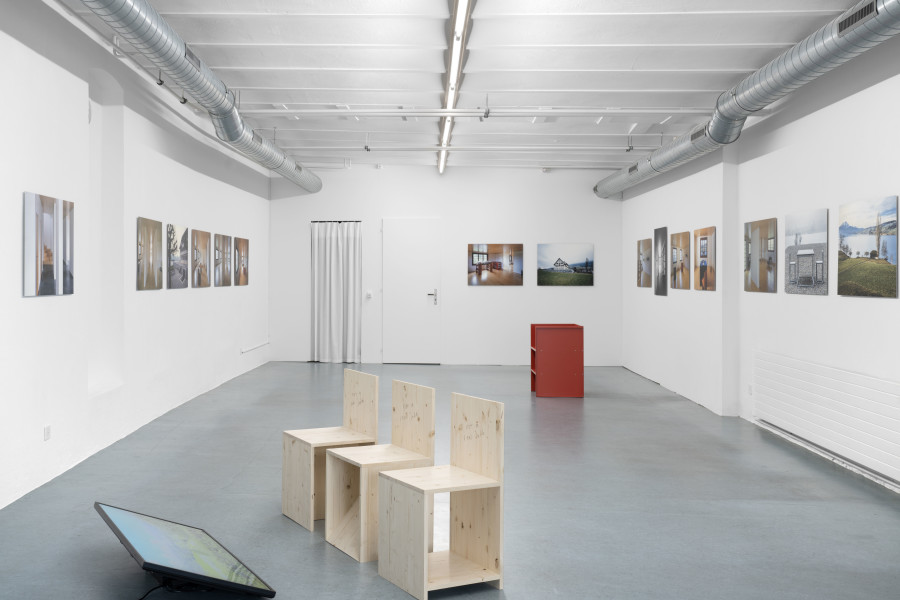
(675, 340)
(792, 168)
(100, 363)
(824, 368)
(480, 325)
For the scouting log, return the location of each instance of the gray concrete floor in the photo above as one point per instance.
(632, 492)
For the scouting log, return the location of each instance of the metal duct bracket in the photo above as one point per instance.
(142, 26)
(864, 26)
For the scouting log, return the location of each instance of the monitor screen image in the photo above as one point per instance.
(179, 554)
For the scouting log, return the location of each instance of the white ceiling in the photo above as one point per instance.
(310, 72)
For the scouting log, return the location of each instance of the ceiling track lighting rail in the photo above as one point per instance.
(475, 113)
(510, 149)
(863, 26)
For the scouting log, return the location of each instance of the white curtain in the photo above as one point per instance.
(336, 292)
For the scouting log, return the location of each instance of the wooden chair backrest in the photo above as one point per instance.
(361, 402)
(476, 435)
(412, 417)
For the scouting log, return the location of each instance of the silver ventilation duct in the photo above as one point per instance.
(864, 26)
(142, 27)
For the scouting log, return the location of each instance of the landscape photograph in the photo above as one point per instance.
(565, 264)
(705, 259)
(806, 253)
(867, 248)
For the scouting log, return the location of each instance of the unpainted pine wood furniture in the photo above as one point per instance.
(474, 479)
(351, 480)
(303, 453)
(557, 360)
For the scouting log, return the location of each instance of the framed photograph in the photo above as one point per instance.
(760, 257)
(705, 259)
(495, 264)
(806, 253)
(48, 254)
(177, 250)
(222, 260)
(644, 263)
(660, 250)
(569, 264)
(199, 258)
(149, 254)
(680, 271)
(241, 261)
(867, 251)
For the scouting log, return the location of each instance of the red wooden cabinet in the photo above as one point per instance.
(557, 360)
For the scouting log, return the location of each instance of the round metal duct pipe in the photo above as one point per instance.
(142, 27)
(864, 26)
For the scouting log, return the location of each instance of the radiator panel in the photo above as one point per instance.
(852, 415)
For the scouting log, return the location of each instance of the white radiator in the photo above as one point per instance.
(853, 416)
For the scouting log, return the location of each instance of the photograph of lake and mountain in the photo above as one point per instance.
(806, 253)
(867, 251)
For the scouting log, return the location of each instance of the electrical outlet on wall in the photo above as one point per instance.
(46, 432)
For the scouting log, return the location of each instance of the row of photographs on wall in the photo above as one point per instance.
(48, 257)
(866, 254)
(566, 264)
(673, 267)
(191, 256)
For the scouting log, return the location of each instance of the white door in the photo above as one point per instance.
(411, 279)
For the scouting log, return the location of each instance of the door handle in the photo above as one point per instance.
(435, 296)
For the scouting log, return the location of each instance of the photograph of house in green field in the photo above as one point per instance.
(565, 264)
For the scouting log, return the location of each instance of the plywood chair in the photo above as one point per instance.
(351, 480)
(303, 454)
(474, 479)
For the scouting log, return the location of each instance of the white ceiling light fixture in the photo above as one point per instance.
(458, 38)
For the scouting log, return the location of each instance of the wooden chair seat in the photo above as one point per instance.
(440, 479)
(474, 479)
(303, 489)
(378, 455)
(351, 511)
(330, 436)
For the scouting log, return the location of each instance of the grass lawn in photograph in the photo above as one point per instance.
(866, 277)
(554, 278)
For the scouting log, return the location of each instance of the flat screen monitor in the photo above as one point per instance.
(179, 556)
